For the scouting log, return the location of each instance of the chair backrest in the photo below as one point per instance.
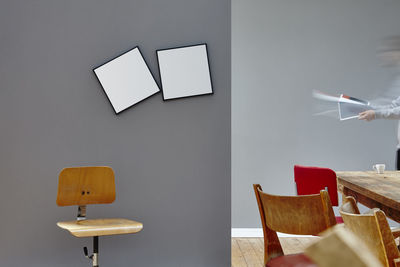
(311, 180)
(373, 229)
(301, 215)
(86, 185)
(338, 246)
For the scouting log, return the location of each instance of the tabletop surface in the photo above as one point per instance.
(384, 188)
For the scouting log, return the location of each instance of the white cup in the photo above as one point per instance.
(379, 168)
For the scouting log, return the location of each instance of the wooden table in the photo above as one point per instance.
(373, 190)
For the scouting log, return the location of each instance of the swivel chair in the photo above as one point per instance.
(82, 186)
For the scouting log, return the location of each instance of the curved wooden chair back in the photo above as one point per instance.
(300, 215)
(373, 229)
(86, 185)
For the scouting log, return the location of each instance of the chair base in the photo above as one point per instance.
(95, 251)
(95, 256)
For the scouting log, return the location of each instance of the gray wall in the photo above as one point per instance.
(171, 159)
(281, 51)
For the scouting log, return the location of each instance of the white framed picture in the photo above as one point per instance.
(184, 71)
(126, 80)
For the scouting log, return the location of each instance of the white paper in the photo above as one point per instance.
(349, 109)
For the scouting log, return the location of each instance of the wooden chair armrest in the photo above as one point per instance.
(396, 233)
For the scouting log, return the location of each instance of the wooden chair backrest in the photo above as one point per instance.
(373, 229)
(338, 246)
(301, 215)
(86, 185)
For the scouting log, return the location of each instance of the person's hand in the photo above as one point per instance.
(367, 115)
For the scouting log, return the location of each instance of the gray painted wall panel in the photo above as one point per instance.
(281, 51)
(171, 159)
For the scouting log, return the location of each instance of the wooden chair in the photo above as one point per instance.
(299, 215)
(373, 229)
(338, 246)
(82, 186)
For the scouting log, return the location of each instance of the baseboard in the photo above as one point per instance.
(256, 232)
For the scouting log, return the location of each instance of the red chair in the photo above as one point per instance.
(311, 180)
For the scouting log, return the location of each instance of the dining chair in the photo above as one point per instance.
(373, 229)
(338, 246)
(310, 180)
(298, 215)
(82, 186)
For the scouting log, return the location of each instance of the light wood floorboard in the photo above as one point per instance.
(249, 252)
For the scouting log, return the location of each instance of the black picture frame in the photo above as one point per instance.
(104, 90)
(208, 65)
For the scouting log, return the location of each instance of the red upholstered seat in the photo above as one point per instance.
(293, 260)
(339, 219)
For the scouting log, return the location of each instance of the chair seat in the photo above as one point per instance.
(293, 260)
(101, 227)
(339, 219)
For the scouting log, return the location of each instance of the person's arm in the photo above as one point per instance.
(391, 111)
(388, 113)
(395, 103)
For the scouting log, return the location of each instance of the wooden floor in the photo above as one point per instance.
(250, 251)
